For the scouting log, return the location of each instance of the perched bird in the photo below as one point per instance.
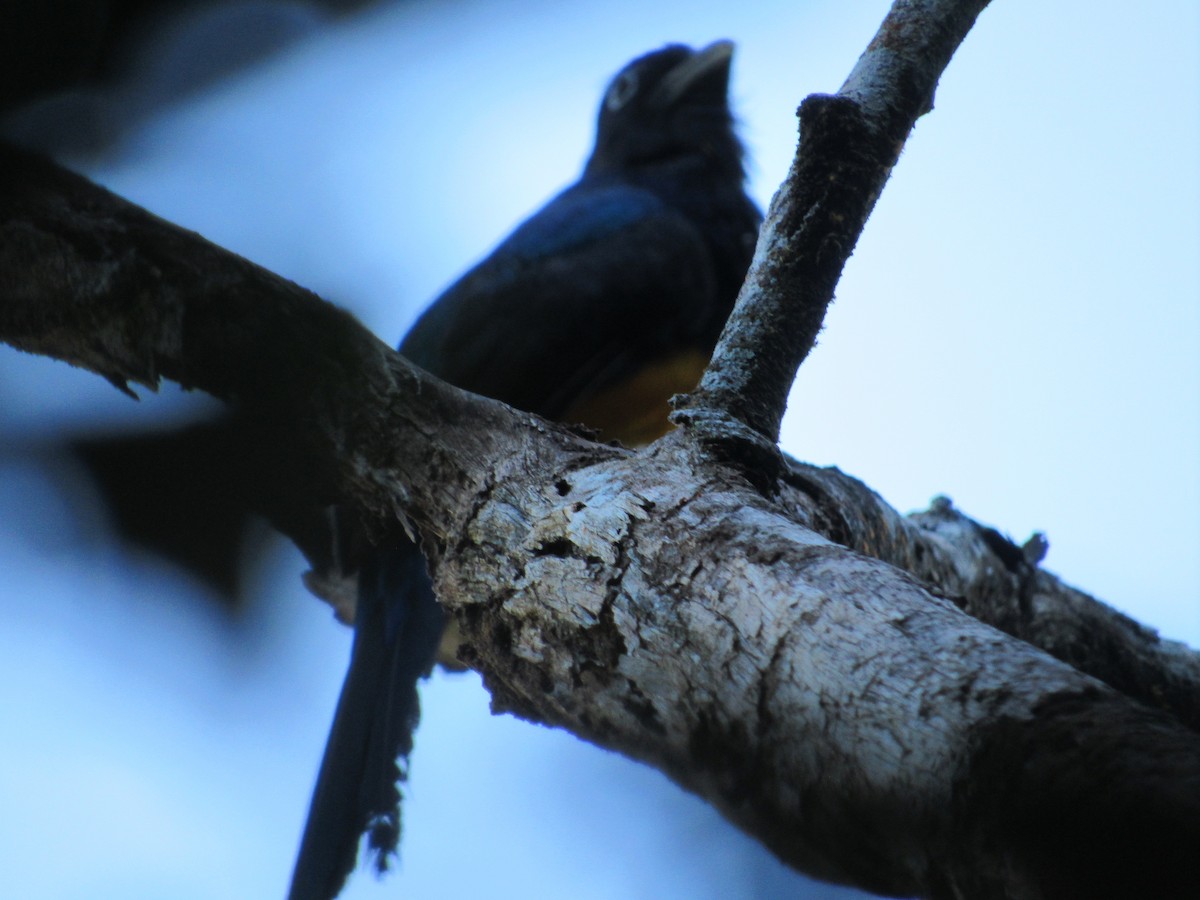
(595, 310)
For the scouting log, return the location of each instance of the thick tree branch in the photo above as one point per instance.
(848, 144)
(999, 583)
(97, 282)
(680, 619)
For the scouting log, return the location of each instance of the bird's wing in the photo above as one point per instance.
(602, 282)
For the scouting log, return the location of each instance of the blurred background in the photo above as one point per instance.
(1018, 329)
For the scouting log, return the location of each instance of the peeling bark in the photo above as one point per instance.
(824, 701)
(994, 580)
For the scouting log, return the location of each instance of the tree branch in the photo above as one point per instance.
(999, 583)
(848, 144)
(93, 280)
(653, 603)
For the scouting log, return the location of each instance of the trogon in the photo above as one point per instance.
(595, 310)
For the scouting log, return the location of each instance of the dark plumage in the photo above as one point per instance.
(596, 309)
(636, 263)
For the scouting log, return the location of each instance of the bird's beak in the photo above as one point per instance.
(713, 59)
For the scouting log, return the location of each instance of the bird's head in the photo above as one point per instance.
(669, 105)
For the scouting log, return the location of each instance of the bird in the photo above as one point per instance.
(595, 310)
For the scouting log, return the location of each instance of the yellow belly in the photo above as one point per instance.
(634, 411)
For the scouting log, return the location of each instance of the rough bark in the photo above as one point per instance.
(997, 582)
(771, 635)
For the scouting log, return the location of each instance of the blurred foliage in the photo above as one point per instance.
(58, 45)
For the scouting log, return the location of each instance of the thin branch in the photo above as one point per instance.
(848, 145)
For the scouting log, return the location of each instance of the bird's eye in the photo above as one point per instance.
(622, 89)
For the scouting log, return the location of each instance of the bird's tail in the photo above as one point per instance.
(398, 624)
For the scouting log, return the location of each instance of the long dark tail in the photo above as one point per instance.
(396, 632)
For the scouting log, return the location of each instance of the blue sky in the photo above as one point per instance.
(1018, 329)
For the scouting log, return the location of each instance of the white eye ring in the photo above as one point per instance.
(621, 91)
